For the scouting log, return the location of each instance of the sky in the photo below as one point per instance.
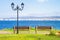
(32, 8)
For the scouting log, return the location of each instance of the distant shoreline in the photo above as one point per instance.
(50, 19)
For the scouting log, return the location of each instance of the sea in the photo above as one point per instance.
(32, 23)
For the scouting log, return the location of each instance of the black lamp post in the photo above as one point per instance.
(17, 8)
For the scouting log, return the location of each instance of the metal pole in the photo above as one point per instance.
(17, 20)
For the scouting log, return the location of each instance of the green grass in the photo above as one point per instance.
(28, 37)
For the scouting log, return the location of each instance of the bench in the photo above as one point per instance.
(43, 28)
(21, 28)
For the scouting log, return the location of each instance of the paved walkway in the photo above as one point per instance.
(5, 32)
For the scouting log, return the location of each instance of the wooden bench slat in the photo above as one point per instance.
(44, 27)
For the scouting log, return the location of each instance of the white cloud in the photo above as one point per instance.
(42, 0)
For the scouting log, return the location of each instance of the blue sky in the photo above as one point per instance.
(37, 8)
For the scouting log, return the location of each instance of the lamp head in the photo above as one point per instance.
(22, 5)
(12, 5)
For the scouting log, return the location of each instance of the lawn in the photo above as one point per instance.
(28, 37)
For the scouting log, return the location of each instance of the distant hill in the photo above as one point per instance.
(32, 17)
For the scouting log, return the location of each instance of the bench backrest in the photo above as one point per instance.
(43, 28)
(21, 28)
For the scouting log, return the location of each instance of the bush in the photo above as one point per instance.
(52, 33)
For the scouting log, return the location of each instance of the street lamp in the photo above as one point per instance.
(17, 9)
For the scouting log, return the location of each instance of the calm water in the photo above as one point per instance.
(10, 24)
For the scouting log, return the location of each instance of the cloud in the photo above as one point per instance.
(42, 0)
